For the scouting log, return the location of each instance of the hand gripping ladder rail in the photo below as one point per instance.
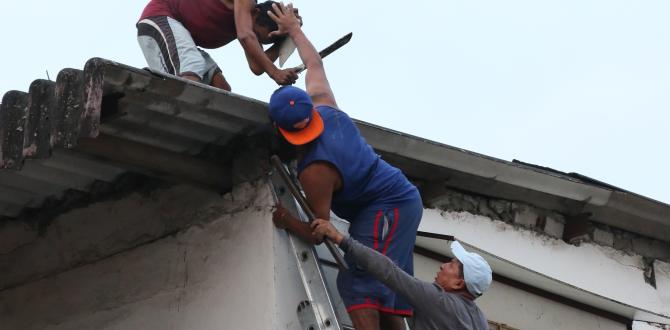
(318, 311)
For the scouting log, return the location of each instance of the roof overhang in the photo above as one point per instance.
(169, 127)
(439, 164)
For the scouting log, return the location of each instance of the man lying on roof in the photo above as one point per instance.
(170, 33)
(447, 303)
(338, 170)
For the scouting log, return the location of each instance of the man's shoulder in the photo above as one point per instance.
(456, 299)
(324, 108)
(328, 113)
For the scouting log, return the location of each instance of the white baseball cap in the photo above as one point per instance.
(476, 271)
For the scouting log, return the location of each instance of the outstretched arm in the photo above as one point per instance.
(417, 292)
(258, 60)
(316, 81)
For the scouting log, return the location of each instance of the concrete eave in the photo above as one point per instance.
(434, 162)
(179, 119)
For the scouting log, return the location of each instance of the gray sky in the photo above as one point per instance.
(576, 85)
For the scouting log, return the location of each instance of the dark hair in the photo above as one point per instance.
(263, 18)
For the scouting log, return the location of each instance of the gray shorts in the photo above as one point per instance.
(169, 47)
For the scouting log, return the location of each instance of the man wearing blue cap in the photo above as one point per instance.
(447, 303)
(338, 170)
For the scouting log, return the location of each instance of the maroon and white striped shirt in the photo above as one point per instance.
(210, 22)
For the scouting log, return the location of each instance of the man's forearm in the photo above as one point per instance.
(244, 23)
(260, 63)
(301, 229)
(384, 270)
(308, 53)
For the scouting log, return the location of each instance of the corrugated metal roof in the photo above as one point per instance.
(167, 126)
(45, 134)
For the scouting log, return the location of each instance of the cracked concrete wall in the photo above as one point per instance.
(640, 325)
(102, 229)
(546, 222)
(518, 214)
(176, 258)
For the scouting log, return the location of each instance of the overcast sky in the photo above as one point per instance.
(576, 85)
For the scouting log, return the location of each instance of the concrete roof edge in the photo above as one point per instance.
(227, 114)
(533, 178)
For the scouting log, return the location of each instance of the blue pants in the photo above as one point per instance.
(392, 232)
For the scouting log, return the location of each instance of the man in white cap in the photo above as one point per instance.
(447, 303)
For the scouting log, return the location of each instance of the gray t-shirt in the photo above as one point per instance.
(434, 308)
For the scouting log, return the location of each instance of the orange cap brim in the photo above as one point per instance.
(307, 134)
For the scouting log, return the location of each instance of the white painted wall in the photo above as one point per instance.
(226, 269)
(215, 275)
(523, 310)
(597, 270)
(105, 228)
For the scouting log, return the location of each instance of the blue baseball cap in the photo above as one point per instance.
(476, 271)
(291, 109)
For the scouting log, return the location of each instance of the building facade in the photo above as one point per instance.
(135, 200)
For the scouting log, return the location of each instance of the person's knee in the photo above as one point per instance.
(391, 322)
(219, 81)
(365, 319)
(190, 76)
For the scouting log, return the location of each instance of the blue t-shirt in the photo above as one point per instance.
(367, 180)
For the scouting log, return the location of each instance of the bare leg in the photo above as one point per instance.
(391, 322)
(365, 319)
(219, 81)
